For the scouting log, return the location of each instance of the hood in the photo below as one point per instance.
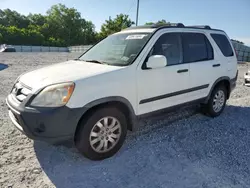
(64, 72)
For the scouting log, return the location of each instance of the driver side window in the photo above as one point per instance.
(168, 45)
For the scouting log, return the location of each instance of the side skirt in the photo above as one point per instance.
(173, 108)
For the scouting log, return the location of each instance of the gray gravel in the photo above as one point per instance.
(181, 149)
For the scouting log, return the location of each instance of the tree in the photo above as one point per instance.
(37, 19)
(20, 36)
(88, 34)
(158, 22)
(237, 41)
(111, 26)
(61, 26)
(13, 18)
(1, 38)
(66, 23)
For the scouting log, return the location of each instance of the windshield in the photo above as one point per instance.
(119, 49)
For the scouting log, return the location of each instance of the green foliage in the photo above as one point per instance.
(61, 26)
(55, 42)
(65, 23)
(14, 35)
(160, 22)
(1, 38)
(115, 25)
(37, 19)
(13, 18)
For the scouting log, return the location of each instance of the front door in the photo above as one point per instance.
(163, 87)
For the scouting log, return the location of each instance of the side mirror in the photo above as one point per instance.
(156, 61)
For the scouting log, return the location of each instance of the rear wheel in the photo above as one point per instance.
(216, 102)
(102, 134)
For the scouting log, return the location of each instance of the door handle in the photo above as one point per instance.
(182, 70)
(216, 65)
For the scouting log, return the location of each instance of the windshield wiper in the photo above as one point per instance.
(96, 61)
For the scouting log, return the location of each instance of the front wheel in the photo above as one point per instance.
(102, 134)
(216, 102)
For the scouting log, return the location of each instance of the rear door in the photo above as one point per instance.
(227, 57)
(198, 52)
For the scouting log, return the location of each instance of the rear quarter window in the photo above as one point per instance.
(223, 44)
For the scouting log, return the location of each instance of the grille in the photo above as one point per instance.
(20, 91)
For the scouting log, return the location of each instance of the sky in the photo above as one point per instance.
(233, 16)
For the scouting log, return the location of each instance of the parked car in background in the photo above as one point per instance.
(247, 78)
(7, 48)
(137, 72)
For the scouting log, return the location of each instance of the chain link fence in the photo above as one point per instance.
(242, 51)
(82, 48)
(23, 48)
(20, 48)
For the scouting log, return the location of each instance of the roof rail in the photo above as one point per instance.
(170, 25)
(200, 26)
(159, 25)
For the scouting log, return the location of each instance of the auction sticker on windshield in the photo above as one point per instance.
(132, 37)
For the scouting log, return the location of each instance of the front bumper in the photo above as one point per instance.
(53, 125)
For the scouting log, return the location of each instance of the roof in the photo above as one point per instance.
(170, 25)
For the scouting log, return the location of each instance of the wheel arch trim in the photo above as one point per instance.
(223, 78)
(124, 101)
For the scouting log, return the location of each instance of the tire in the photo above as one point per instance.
(209, 108)
(89, 125)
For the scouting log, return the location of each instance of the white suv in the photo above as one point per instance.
(96, 98)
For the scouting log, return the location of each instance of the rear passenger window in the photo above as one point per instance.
(223, 43)
(196, 47)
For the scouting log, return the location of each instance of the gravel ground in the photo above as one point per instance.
(183, 149)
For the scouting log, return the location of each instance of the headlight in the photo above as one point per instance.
(54, 96)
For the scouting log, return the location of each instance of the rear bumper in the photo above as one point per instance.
(53, 125)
